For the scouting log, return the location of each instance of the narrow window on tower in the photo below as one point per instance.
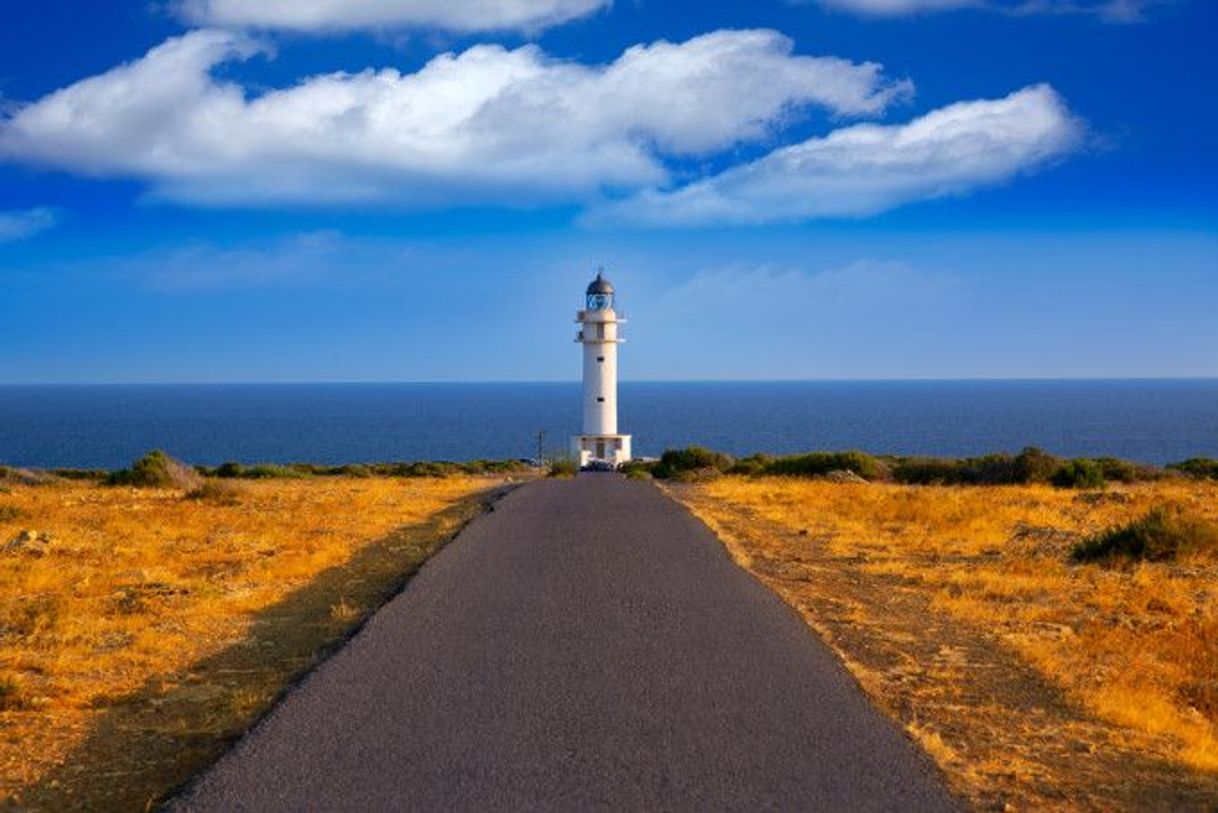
(600, 399)
(600, 358)
(600, 330)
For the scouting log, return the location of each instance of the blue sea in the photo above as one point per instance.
(108, 426)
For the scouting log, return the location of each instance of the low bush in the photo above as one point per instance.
(752, 465)
(495, 467)
(637, 470)
(81, 474)
(431, 468)
(1079, 473)
(925, 471)
(818, 464)
(273, 471)
(1160, 535)
(563, 467)
(216, 492)
(421, 468)
(156, 470)
(1199, 468)
(1126, 471)
(675, 462)
(1031, 465)
(228, 469)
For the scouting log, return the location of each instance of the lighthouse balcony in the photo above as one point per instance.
(600, 316)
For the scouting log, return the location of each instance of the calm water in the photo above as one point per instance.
(108, 426)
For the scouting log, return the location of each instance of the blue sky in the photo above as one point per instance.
(391, 190)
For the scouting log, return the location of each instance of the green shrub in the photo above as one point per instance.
(273, 471)
(752, 465)
(495, 467)
(924, 471)
(1079, 473)
(563, 467)
(821, 463)
(637, 469)
(420, 468)
(156, 470)
(1199, 468)
(1160, 535)
(99, 475)
(232, 470)
(1126, 471)
(350, 470)
(990, 470)
(430, 468)
(1034, 465)
(692, 458)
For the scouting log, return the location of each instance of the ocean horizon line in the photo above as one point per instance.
(574, 381)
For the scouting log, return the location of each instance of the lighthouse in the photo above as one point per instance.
(599, 335)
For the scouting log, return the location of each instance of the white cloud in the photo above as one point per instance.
(485, 125)
(770, 293)
(866, 169)
(332, 15)
(1111, 10)
(23, 223)
(896, 8)
(294, 259)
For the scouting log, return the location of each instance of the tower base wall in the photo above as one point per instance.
(612, 449)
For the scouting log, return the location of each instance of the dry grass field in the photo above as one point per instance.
(153, 628)
(1035, 682)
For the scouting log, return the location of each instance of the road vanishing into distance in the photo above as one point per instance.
(586, 645)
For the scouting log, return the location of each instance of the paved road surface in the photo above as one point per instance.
(588, 645)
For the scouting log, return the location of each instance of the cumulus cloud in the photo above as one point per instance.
(340, 15)
(486, 125)
(1111, 10)
(23, 223)
(866, 169)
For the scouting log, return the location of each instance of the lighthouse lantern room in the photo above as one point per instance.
(600, 336)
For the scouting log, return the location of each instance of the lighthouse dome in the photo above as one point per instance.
(600, 285)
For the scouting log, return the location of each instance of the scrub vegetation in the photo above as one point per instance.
(1029, 466)
(1052, 648)
(146, 622)
(563, 468)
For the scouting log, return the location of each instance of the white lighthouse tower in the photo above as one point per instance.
(598, 334)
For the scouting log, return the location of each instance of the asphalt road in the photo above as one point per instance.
(587, 645)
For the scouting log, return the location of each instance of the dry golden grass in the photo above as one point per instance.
(155, 627)
(1033, 681)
